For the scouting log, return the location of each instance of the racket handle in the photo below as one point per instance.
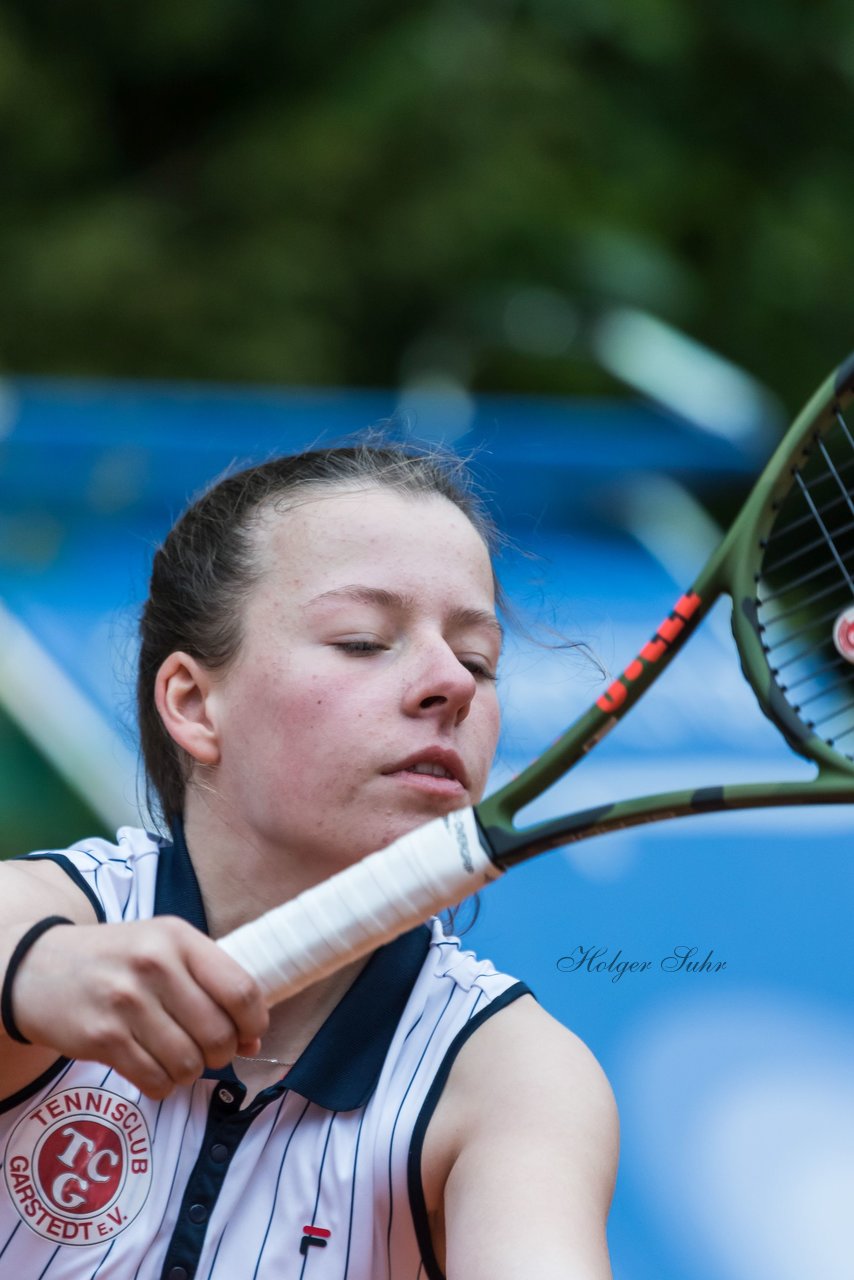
(352, 913)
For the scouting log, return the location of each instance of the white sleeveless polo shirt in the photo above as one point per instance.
(319, 1178)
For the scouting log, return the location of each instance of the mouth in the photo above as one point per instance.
(437, 771)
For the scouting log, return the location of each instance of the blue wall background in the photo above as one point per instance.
(734, 1086)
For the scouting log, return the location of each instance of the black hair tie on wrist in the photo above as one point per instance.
(27, 941)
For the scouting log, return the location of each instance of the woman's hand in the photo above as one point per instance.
(156, 1000)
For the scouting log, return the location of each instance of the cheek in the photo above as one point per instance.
(491, 717)
(488, 728)
(318, 728)
(272, 714)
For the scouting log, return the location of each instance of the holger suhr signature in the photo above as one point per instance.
(680, 960)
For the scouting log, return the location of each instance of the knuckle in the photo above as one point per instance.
(148, 961)
(167, 922)
(190, 1067)
(245, 993)
(107, 1039)
(220, 1041)
(174, 928)
(122, 999)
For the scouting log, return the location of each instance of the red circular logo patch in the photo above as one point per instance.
(843, 634)
(78, 1166)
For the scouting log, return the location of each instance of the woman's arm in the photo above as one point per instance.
(29, 892)
(156, 999)
(520, 1158)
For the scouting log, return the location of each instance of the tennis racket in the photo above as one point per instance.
(787, 563)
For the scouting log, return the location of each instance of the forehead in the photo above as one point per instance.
(407, 541)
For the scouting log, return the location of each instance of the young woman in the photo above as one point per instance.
(317, 678)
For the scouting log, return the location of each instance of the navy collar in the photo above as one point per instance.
(340, 1067)
(177, 891)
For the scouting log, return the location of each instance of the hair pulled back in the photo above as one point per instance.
(209, 563)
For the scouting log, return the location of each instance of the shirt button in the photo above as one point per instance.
(219, 1152)
(178, 1273)
(226, 1096)
(198, 1212)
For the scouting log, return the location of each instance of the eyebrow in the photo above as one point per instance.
(461, 617)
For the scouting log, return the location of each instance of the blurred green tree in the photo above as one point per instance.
(364, 193)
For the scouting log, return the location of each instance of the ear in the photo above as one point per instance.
(181, 692)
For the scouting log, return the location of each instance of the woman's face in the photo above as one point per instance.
(362, 702)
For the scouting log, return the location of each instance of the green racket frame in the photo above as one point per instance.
(731, 570)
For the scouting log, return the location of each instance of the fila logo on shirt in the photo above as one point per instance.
(313, 1235)
(78, 1166)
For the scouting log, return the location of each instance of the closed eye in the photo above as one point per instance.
(478, 668)
(360, 646)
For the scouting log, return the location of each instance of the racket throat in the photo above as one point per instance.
(509, 845)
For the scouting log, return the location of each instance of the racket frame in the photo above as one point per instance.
(733, 569)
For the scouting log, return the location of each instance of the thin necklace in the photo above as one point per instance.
(275, 1062)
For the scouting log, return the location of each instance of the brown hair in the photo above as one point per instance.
(209, 563)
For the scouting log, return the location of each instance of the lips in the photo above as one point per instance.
(433, 762)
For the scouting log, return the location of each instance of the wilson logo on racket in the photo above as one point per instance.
(684, 609)
(313, 1236)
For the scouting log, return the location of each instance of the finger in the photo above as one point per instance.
(119, 1049)
(232, 990)
(249, 1048)
(169, 1045)
(204, 990)
(158, 1004)
(148, 1074)
(209, 1027)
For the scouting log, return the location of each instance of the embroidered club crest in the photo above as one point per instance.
(78, 1166)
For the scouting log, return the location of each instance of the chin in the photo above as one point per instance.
(418, 817)
(383, 833)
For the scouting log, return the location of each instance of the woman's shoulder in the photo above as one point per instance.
(454, 992)
(130, 844)
(114, 875)
(547, 1063)
(510, 1052)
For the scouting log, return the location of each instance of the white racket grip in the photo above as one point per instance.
(359, 909)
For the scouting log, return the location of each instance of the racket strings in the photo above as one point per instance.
(838, 661)
(838, 736)
(843, 426)
(831, 715)
(818, 624)
(834, 471)
(805, 550)
(821, 512)
(805, 702)
(804, 520)
(846, 497)
(806, 581)
(803, 601)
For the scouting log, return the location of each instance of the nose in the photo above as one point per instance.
(440, 686)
